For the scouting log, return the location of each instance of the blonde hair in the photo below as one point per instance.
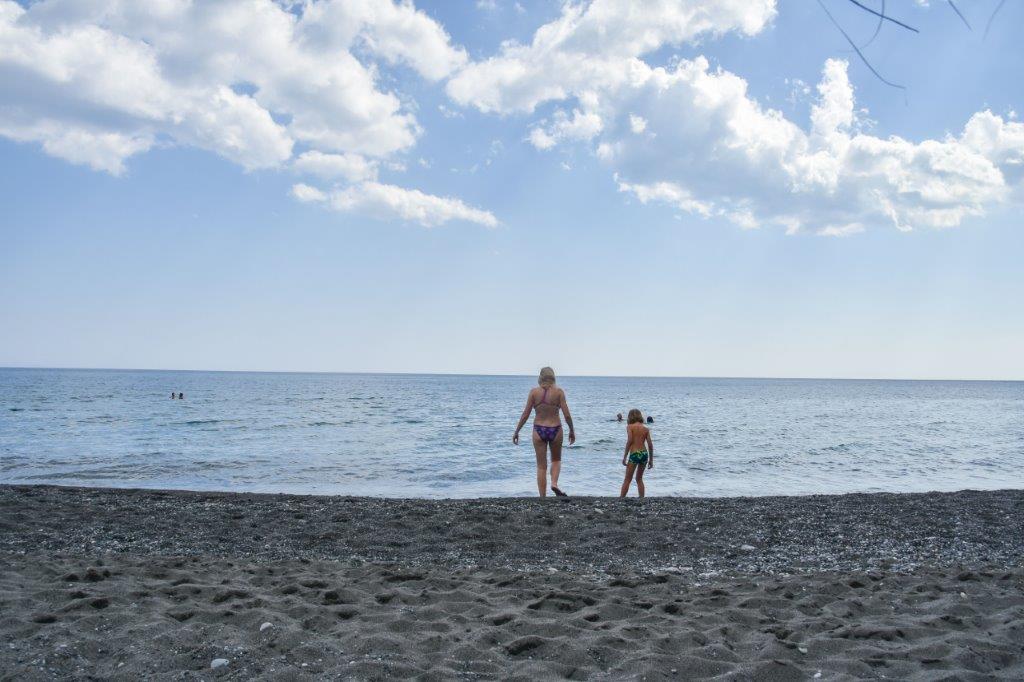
(635, 417)
(547, 376)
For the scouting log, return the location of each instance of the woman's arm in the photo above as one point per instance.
(568, 419)
(522, 419)
(650, 450)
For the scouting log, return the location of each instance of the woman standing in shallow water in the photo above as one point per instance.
(547, 399)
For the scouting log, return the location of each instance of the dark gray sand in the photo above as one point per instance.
(152, 584)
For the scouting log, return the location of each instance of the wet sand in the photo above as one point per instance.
(128, 584)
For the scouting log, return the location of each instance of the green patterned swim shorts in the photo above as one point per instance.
(639, 457)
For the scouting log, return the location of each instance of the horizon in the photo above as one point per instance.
(500, 374)
(701, 189)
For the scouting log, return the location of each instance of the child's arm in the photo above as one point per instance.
(522, 419)
(625, 452)
(650, 450)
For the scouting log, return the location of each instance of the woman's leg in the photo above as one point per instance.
(640, 479)
(541, 448)
(556, 459)
(630, 468)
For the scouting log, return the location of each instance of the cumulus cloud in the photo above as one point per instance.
(716, 151)
(397, 32)
(99, 149)
(247, 79)
(389, 201)
(579, 126)
(254, 81)
(221, 76)
(692, 137)
(307, 193)
(351, 167)
(591, 44)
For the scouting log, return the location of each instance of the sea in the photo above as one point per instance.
(448, 436)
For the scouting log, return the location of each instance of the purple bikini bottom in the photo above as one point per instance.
(547, 433)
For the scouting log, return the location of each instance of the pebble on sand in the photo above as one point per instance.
(218, 663)
(265, 626)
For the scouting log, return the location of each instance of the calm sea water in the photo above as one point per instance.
(450, 436)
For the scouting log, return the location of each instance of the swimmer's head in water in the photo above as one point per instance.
(635, 417)
(547, 376)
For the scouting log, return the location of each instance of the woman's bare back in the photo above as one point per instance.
(546, 404)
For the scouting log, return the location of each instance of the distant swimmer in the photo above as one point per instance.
(173, 395)
(181, 396)
(618, 417)
(650, 419)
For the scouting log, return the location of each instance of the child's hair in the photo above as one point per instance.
(547, 376)
(635, 417)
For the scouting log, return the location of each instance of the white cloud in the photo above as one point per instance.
(307, 193)
(390, 202)
(718, 147)
(669, 193)
(252, 80)
(541, 139)
(581, 126)
(351, 167)
(247, 79)
(691, 136)
(593, 44)
(448, 112)
(397, 32)
(100, 150)
(841, 230)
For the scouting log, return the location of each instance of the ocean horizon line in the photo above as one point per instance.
(736, 377)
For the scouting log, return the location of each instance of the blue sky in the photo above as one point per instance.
(623, 209)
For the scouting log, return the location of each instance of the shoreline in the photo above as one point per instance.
(124, 584)
(854, 531)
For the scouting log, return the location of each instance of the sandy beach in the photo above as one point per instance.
(124, 584)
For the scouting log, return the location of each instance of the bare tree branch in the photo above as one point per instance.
(882, 16)
(962, 17)
(992, 16)
(857, 49)
(878, 27)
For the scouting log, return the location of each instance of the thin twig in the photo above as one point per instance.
(962, 17)
(857, 49)
(878, 28)
(993, 16)
(882, 16)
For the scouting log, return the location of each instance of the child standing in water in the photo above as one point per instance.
(639, 454)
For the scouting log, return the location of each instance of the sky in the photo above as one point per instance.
(694, 188)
